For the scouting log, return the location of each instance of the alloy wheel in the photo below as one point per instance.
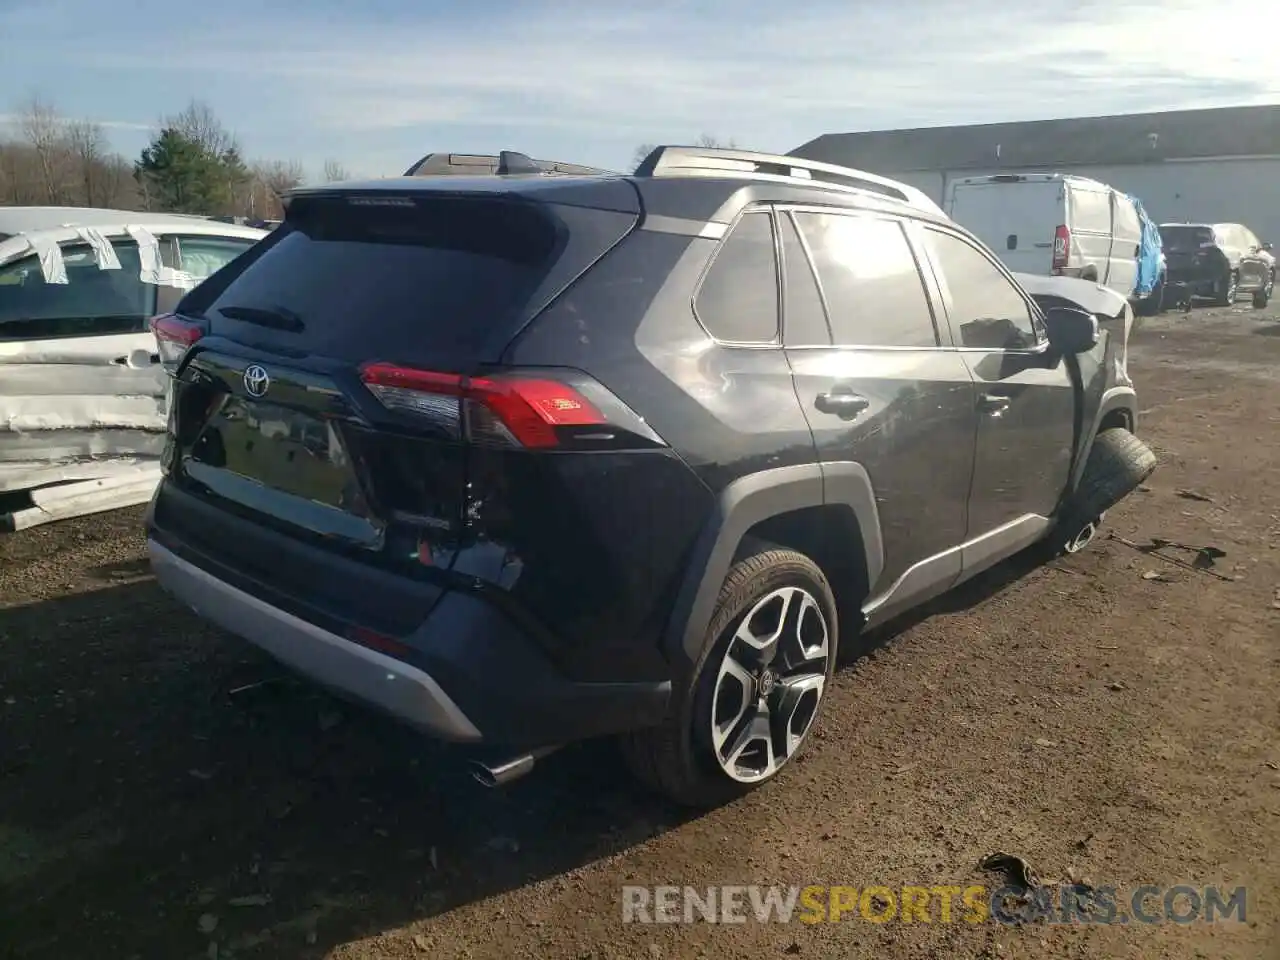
(770, 682)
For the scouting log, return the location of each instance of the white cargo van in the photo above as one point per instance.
(1053, 224)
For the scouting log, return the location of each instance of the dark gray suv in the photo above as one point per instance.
(529, 457)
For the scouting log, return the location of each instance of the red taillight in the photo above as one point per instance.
(173, 336)
(506, 410)
(1061, 248)
(380, 642)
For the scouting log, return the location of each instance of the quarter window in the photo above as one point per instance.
(875, 297)
(738, 299)
(987, 311)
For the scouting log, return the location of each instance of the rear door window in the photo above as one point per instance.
(381, 276)
(875, 296)
(738, 299)
(93, 302)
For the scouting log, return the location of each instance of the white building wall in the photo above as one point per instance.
(1210, 191)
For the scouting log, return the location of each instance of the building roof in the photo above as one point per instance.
(1132, 138)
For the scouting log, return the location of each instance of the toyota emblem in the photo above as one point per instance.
(256, 380)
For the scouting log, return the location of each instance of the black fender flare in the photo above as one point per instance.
(739, 507)
(1123, 398)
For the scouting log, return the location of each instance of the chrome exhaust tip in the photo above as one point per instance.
(501, 773)
(1083, 537)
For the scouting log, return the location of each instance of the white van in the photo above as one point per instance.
(1053, 224)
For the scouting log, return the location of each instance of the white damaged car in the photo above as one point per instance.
(82, 392)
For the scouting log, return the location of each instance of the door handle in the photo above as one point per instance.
(844, 405)
(993, 404)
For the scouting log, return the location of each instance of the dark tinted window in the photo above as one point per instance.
(93, 302)
(804, 319)
(387, 276)
(1185, 239)
(987, 310)
(874, 293)
(738, 300)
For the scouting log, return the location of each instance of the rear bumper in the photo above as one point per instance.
(1199, 278)
(399, 688)
(470, 674)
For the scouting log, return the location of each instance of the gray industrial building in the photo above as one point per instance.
(1187, 165)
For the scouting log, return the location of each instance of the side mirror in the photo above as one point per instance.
(1266, 246)
(1070, 330)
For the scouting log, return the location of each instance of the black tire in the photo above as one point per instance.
(1152, 303)
(678, 759)
(1261, 297)
(1225, 290)
(1118, 462)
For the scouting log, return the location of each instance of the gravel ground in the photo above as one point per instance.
(1110, 716)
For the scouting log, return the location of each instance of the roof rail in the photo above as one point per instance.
(673, 161)
(483, 165)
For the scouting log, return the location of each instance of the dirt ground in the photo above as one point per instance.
(1111, 716)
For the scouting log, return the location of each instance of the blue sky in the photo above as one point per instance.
(377, 84)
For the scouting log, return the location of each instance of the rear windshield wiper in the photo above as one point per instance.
(280, 318)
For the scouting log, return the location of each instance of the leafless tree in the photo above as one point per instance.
(87, 145)
(335, 171)
(199, 124)
(45, 131)
(642, 151)
(713, 142)
(269, 179)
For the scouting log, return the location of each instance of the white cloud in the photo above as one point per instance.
(14, 120)
(601, 78)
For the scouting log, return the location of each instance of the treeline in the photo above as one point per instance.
(193, 164)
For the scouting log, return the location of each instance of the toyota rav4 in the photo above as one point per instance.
(528, 458)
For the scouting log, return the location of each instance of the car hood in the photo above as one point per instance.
(1115, 315)
(1088, 295)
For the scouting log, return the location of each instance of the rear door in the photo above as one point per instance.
(1089, 215)
(78, 378)
(1016, 217)
(1189, 253)
(1126, 245)
(883, 391)
(273, 418)
(1026, 409)
(1255, 270)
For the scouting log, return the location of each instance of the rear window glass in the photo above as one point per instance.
(93, 302)
(384, 275)
(1185, 239)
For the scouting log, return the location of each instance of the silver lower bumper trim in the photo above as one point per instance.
(404, 691)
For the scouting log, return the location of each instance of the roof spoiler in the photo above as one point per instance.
(674, 161)
(506, 163)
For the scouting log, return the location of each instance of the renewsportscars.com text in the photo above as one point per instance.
(974, 904)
